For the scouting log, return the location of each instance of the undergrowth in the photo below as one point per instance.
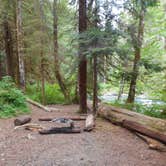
(53, 94)
(12, 100)
(158, 111)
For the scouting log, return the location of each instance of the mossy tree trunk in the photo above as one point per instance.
(137, 50)
(56, 58)
(20, 44)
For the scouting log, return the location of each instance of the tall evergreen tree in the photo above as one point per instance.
(82, 68)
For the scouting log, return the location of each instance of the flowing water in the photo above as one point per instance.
(140, 99)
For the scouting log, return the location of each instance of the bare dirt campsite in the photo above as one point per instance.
(107, 145)
(82, 82)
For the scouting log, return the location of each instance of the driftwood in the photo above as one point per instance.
(149, 126)
(60, 130)
(89, 123)
(152, 144)
(30, 126)
(22, 120)
(75, 118)
(38, 105)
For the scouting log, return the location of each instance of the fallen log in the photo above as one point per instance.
(30, 126)
(134, 126)
(60, 130)
(72, 118)
(89, 123)
(152, 144)
(118, 116)
(22, 120)
(38, 105)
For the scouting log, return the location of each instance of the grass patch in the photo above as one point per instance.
(12, 100)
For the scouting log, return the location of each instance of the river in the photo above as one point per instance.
(140, 99)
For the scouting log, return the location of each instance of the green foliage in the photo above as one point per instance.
(12, 100)
(53, 94)
(158, 111)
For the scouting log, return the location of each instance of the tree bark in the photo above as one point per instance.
(0, 67)
(22, 120)
(8, 48)
(141, 123)
(60, 130)
(95, 90)
(137, 48)
(20, 43)
(56, 58)
(95, 62)
(89, 123)
(74, 118)
(134, 126)
(38, 105)
(152, 143)
(42, 60)
(121, 88)
(82, 67)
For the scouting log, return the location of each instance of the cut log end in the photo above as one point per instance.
(152, 144)
(89, 123)
(22, 120)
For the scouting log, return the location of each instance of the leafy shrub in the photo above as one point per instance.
(12, 100)
(158, 111)
(53, 94)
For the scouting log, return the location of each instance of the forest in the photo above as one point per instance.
(102, 58)
(117, 47)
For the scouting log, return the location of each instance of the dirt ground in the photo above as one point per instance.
(107, 145)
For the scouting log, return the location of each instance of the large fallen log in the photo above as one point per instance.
(75, 118)
(38, 105)
(89, 123)
(60, 130)
(22, 120)
(154, 126)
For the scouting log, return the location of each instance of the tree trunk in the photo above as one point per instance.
(121, 88)
(8, 48)
(149, 126)
(42, 78)
(137, 48)
(82, 67)
(95, 62)
(0, 69)
(95, 90)
(0, 66)
(56, 58)
(20, 43)
(42, 60)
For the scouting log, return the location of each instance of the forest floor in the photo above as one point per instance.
(107, 145)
